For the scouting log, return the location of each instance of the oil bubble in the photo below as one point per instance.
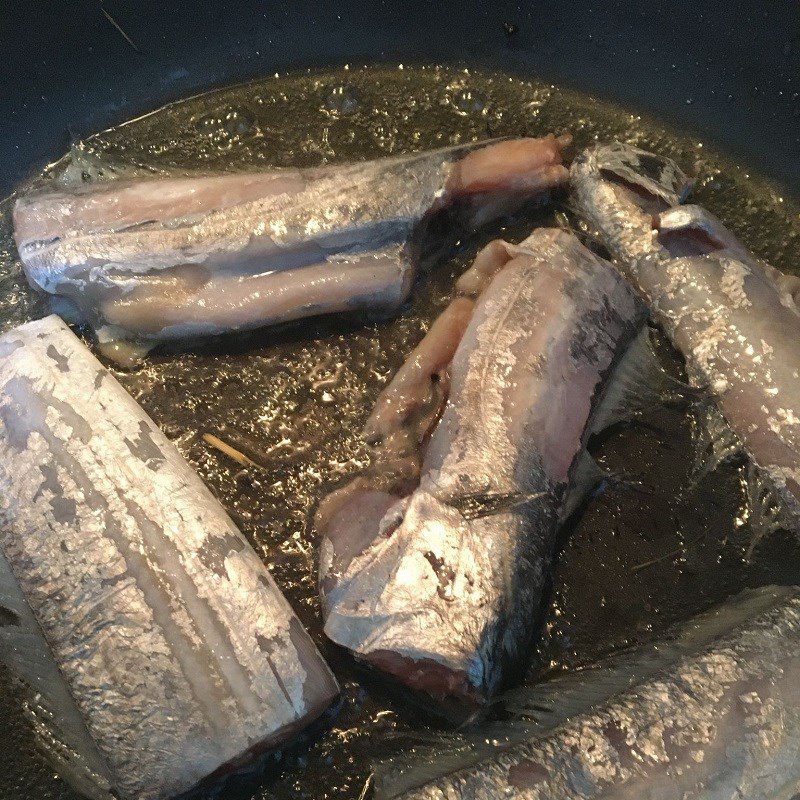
(467, 101)
(342, 99)
(227, 125)
(238, 122)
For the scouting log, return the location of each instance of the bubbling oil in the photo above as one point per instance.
(292, 399)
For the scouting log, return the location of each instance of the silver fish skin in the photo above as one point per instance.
(432, 568)
(691, 230)
(617, 189)
(732, 317)
(164, 258)
(711, 712)
(155, 648)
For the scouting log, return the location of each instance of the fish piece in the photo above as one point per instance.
(618, 189)
(710, 712)
(166, 258)
(692, 230)
(155, 648)
(732, 318)
(732, 324)
(433, 565)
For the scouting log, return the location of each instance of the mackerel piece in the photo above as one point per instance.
(433, 566)
(156, 648)
(167, 258)
(711, 712)
(733, 318)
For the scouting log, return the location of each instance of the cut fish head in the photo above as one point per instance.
(418, 598)
(619, 189)
(645, 172)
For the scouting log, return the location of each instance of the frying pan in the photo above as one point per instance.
(728, 71)
(729, 74)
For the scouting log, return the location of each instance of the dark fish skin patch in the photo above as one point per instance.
(217, 549)
(617, 738)
(145, 449)
(445, 574)
(64, 510)
(270, 646)
(19, 416)
(62, 362)
(652, 166)
(115, 580)
(527, 774)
